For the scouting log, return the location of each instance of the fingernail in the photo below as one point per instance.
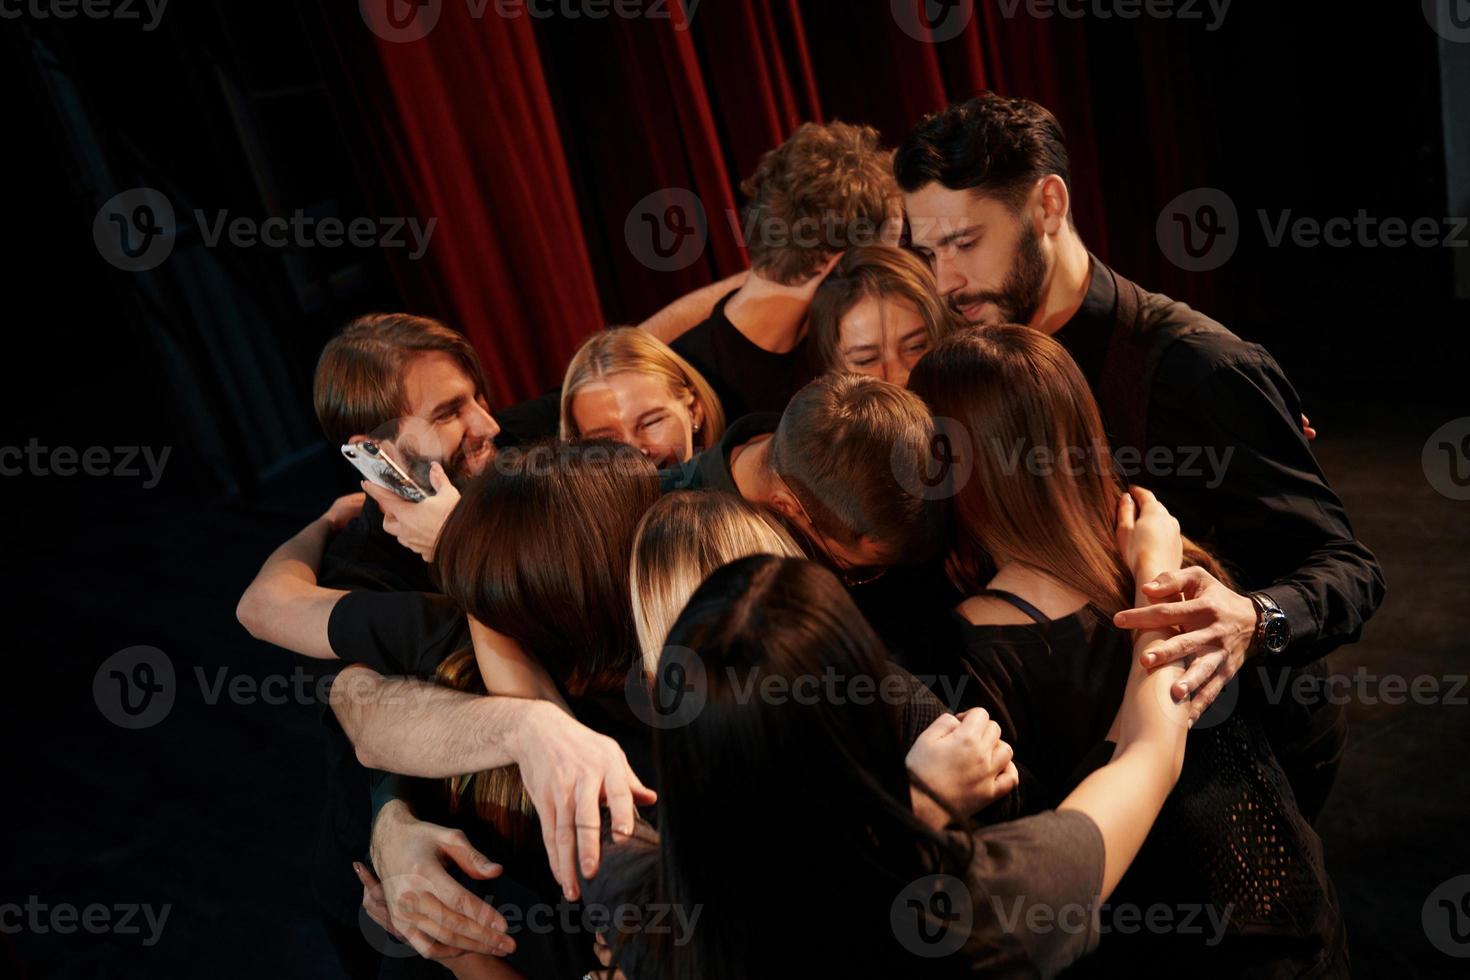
(625, 830)
(1148, 659)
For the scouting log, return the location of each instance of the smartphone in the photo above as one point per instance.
(374, 463)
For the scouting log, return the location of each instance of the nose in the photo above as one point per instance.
(946, 276)
(483, 424)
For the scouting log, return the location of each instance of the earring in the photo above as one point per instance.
(697, 426)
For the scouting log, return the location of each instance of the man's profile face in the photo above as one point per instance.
(988, 260)
(447, 419)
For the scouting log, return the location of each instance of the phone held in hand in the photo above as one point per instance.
(374, 463)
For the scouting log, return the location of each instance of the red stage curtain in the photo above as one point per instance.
(532, 139)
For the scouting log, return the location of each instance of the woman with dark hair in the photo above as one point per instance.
(877, 313)
(815, 794)
(1032, 523)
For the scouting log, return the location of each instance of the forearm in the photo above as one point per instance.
(415, 728)
(284, 604)
(1328, 599)
(674, 320)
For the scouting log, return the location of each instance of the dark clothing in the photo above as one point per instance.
(1230, 840)
(748, 378)
(908, 607)
(530, 421)
(1045, 864)
(710, 470)
(1210, 423)
(364, 556)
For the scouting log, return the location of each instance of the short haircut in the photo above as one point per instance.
(874, 272)
(991, 144)
(826, 189)
(849, 446)
(359, 378)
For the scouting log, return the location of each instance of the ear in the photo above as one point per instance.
(783, 503)
(1056, 204)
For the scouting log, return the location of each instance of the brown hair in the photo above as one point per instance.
(1041, 489)
(849, 447)
(538, 549)
(621, 349)
(874, 272)
(359, 378)
(826, 189)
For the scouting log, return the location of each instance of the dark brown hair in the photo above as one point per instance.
(1014, 391)
(850, 447)
(826, 189)
(876, 272)
(995, 145)
(359, 377)
(538, 549)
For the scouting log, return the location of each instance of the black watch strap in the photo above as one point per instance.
(1273, 632)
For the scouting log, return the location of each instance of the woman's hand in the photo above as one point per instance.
(1148, 536)
(962, 760)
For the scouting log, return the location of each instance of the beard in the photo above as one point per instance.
(458, 467)
(1019, 297)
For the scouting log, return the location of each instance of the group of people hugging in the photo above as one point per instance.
(919, 602)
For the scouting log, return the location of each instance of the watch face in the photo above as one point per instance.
(1277, 634)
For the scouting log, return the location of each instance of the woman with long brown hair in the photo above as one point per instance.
(1032, 514)
(877, 313)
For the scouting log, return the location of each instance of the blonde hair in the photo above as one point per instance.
(623, 349)
(680, 541)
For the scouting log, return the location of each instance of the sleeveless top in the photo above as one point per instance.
(1230, 881)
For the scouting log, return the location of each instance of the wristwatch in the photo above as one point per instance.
(1273, 632)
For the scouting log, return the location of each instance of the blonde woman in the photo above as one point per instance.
(878, 313)
(626, 385)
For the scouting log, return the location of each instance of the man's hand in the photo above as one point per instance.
(569, 771)
(433, 913)
(1216, 624)
(343, 510)
(962, 760)
(417, 526)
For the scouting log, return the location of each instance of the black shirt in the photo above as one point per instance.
(1230, 837)
(747, 377)
(1211, 424)
(530, 421)
(710, 470)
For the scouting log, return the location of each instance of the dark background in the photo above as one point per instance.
(271, 106)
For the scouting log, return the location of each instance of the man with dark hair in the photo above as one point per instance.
(827, 188)
(987, 192)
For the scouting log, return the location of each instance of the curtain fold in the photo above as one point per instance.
(549, 147)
